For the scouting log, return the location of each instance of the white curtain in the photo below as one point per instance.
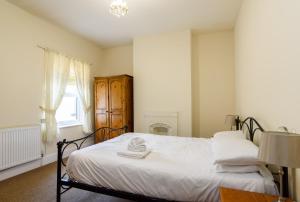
(57, 71)
(82, 75)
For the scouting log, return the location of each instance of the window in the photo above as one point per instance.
(70, 110)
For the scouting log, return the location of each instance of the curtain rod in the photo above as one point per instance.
(45, 48)
(41, 47)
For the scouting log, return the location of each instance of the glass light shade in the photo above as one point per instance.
(118, 8)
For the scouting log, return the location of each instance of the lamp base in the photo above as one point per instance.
(280, 199)
(281, 173)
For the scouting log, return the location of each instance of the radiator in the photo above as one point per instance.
(19, 145)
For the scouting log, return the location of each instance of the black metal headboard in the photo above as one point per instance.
(251, 124)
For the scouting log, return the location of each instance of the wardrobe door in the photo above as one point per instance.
(101, 108)
(116, 101)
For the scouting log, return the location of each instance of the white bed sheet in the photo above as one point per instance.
(178, 168)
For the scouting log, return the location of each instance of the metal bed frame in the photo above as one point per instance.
(64, 183)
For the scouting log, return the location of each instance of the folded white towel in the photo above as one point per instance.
(137, 141)
(139, 148)
(137, 144)
(134, 155)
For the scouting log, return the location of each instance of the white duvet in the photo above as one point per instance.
(178, 168)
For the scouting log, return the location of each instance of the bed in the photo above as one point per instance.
(177, 169)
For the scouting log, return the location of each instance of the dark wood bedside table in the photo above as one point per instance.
(233, 195)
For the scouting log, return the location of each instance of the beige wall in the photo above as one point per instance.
(162, 78)
(267, 37)
(21, 64)
(117, 60)
(212, 81)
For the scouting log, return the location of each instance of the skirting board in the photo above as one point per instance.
(50, 158)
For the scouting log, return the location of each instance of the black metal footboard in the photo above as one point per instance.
(63, 181)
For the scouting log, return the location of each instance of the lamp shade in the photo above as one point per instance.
(230, 119)
(280, 148)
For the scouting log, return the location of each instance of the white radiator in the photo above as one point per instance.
(19, 145)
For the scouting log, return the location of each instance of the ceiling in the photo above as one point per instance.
(92, 20)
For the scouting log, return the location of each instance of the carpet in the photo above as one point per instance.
(39, 185)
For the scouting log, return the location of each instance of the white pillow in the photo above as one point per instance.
(230, 134)
(236, 169)
(234, 151)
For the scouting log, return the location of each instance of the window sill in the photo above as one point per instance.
(70, 125)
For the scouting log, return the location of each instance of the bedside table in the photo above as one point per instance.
(233, 195)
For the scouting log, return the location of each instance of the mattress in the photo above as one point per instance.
(178, 168)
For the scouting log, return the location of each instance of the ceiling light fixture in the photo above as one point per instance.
(118, 8)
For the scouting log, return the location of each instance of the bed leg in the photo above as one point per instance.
(59, 162)
(58, 197)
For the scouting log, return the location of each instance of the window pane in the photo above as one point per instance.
(71, 90)
(67, 110)
(70, 109)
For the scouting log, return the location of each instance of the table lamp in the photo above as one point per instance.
(232, 120)
(281, 149)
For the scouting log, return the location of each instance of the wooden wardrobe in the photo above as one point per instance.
(113, 104)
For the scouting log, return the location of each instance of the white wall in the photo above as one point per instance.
(162, 78)
(212, 81)
(267, 37)
(117, 60)
(21, 65)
